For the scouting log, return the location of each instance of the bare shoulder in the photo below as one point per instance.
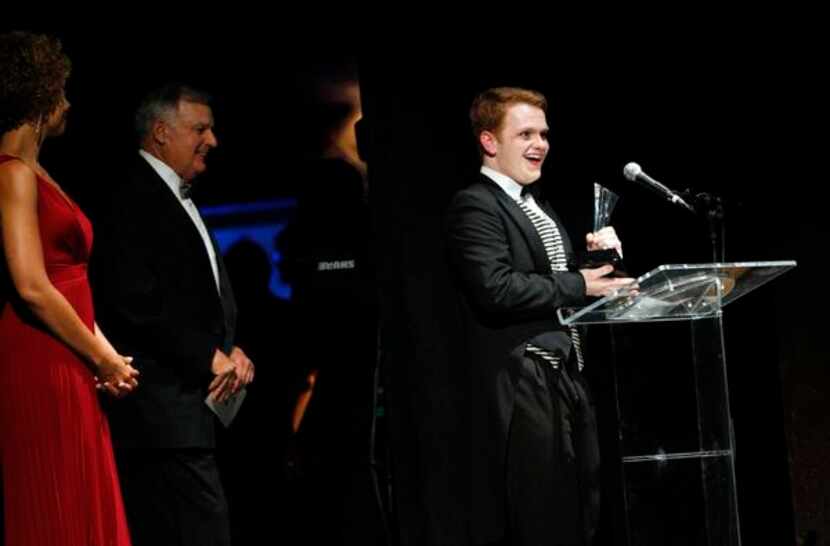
(15, 172)
(17, 180)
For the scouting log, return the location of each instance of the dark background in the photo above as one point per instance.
(735, 114)
(737, 120)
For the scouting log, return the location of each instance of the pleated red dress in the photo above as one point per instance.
(60, 484)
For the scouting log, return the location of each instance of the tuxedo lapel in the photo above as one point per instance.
(522, 223)
(226, 297)
(170, 210)
(176, 226)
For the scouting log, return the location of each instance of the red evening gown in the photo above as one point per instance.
(60, 484)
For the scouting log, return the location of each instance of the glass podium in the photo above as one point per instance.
(670, 382)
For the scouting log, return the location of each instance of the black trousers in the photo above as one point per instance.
(552, 459)
(173, 497)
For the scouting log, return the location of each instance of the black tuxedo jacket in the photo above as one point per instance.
(156, 300)
(509, 299)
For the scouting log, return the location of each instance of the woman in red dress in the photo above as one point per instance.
(60, 485)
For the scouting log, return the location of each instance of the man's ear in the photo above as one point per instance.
(160, 132)
(489, 143)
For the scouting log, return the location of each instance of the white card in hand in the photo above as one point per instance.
(228, 409)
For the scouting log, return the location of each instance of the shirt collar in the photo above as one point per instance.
(173, 180)
(510, 186)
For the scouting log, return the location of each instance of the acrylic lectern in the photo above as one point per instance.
(670, 382)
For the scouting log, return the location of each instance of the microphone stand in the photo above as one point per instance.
(710, 207)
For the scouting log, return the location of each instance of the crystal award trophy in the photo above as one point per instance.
(604, 202)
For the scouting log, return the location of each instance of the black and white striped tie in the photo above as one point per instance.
(552, 239)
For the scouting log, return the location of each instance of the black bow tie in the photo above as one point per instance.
(528, 190)
(185, 190)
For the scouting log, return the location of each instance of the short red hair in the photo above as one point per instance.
(490, 106)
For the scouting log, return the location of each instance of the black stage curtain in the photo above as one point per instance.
(698, 123)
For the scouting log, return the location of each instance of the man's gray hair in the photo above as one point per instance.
(162, 103)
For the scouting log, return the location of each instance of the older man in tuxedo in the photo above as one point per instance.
(163, 293)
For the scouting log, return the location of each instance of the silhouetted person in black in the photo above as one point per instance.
(328, 262)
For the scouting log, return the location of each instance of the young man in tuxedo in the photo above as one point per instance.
(534, 455)
(162, 291)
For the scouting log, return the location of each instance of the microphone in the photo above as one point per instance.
(635, 173)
